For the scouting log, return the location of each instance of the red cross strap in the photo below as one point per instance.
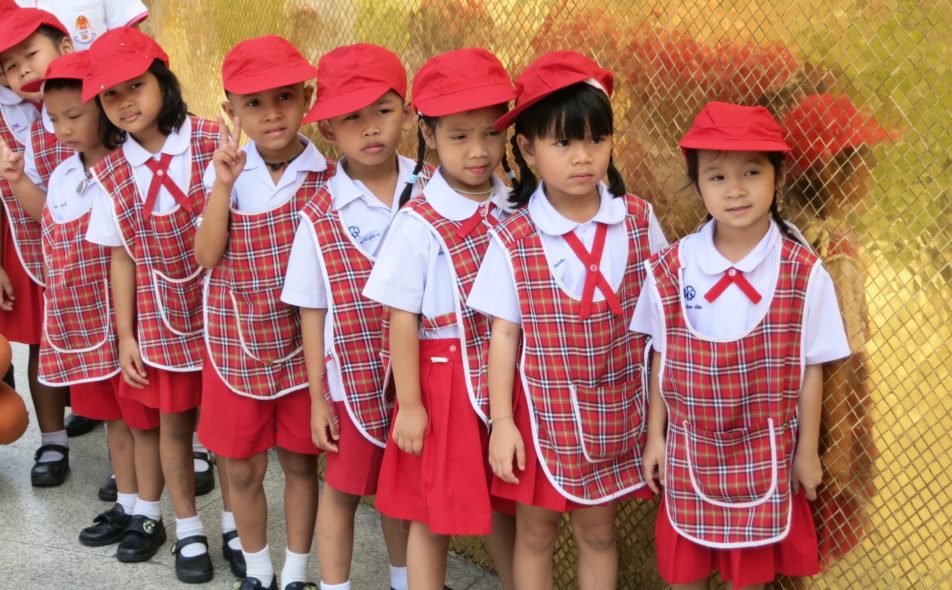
(737, 277)
(160, 178)
(593, 275)
(468, 225)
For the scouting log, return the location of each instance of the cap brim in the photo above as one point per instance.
(343, 104)
(117, 74)
(272, 79)
(510, 117)
(34, 85)
(724, 145)
(18, 37)
(466, 100)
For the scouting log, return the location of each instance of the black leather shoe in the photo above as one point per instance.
(196, 569)
(301, 586)
(49, 473)
(204, 480)
(108, 491)
(108, 528)
(235, 558)
(142, 539)
(255, 584)
(78, 425)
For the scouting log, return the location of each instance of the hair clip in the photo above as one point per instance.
(413, 178)
(511, 175)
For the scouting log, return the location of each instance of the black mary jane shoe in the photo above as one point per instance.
(234, 557)
(204, 480)
(196, 569)
(255, 584)
(108, 528)
(49, 473)
(76, 425)
(108, 492)
(142, 539)
(301, 586)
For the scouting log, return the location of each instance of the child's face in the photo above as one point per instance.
(370, 136)
(76, 124)
(569, 167)
(737, 187)
(28, 61)
(134, 106)
(271, 118)
(468, 147)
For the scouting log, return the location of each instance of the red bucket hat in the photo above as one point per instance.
(354, 76)
(734, 128)
(551, 72)
(264, 63)
(459, 81)
(70, 66)
(118, 56)
(824, 124)
(20, 23)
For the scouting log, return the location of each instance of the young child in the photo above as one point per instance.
(255, 379)
(360, 108)
(560, 280)
(78, 346)
(152, 194)
(29, 40)
(434, 470)
(741, 317)
(88, 19)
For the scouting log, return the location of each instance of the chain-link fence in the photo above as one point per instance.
(869, 189)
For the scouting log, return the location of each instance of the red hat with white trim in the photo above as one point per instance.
(118, 56)
(459, 81)
(20, 23)
(264, 63)
(723, 126)
(69, 66)
(351, 77)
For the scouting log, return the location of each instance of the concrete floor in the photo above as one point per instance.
(39, 527)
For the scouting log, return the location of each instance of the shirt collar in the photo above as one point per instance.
(9, 97)
(176, 144)
(346, 190)
(47, 122)
(310, 160)
(610, 211)
(713, 262)
(454, 206)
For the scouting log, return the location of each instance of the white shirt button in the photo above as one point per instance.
(732, 272)
(593, 268)
(160, 172)
(453, 348)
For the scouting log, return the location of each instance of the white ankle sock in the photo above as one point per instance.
(398, 578)
(197, 447)
(228, 525)
(341, 586)
(188, 527)
(53, 438)
(259, 565)
(147, 509)
(127, 501)
(295, 567)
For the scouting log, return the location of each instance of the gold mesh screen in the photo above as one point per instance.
(880, 217)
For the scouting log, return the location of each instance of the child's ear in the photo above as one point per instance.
(308, 96)
(229, 109)
(428, 136)
(525, 147)
(66, 46)
(407, 117)
(327, 131)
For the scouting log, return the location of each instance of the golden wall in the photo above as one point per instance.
(880, 218)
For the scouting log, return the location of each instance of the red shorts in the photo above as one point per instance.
(25, 323)
(170, 392)
(681, 561)
(355, 467)
(100, 400)
(534, 488)
(239, 427)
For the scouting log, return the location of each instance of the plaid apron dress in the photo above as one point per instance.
(48, 152)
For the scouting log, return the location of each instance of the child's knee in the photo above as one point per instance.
(244, 474)
(298, 465)
(595, 535)
(538, 535)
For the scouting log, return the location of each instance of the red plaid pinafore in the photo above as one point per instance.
(254, 338)
(584, 379)
(48, 152)
(79, 341)
(732, 412)
(168, 279)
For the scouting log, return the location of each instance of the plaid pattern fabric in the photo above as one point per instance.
(168, 280)
(24, 230)
(79, 342)
(48, 152)
(254, 338)
(732, 424)
(584, 379)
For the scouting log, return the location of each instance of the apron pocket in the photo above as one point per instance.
(179, 302)
(81, 322)
(269, 329)
(608, 419)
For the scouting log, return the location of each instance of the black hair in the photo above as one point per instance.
(568, 113)
(52, 33)
(62, 84)
(776, 161)
(172, 115)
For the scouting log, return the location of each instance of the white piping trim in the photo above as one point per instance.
(159, 304)
(97, 346)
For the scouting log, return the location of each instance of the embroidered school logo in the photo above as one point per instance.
(354, 231)
(84, 31)
(689, 293)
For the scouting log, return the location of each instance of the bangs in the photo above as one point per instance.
(570, 113)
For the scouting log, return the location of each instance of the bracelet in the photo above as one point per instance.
(491, 421)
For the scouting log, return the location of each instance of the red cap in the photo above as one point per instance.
(69, 66)
(734, 128)
(354, 76)
(118, 56)
(19, 24)
(264, 63)
(7, 5)
(824, 124)
(551, 72)
(459, 81)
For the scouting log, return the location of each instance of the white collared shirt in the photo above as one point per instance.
(367, 219)
(29, 155)
(494, 292)
(103, 227)
(18, 115)
(733, 314)
(412, 272)
(86, 20)
(72, 191)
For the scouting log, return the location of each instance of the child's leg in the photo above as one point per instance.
(395, 536)
(250, 507)
(426, 558)
(148, 466)
(594, 531)
(301, 487)
(335, 534)
(50, 403)
(122, 455)
(537, 530)
(501, 544)
(175, 446)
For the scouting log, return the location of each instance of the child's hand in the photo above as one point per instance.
(408, 428)
(652, 463)
(505, 443)
(324, 430)
(807, 472)
(229, 158)
(6, 291)
(11, 164)
(130, 361)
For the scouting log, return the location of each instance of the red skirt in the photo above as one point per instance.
(447, 486)
(355, 467)
(534, 488)
(170, 392)
(25, 323)
(681, 560)
(100, 400)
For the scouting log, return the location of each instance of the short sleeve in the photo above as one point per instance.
(494, 291)
(647, 316)
(121, 13)
(304, 281)
(824, 336)
(399, 275)
(29, 165)
(656, 239)
(102, 228)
